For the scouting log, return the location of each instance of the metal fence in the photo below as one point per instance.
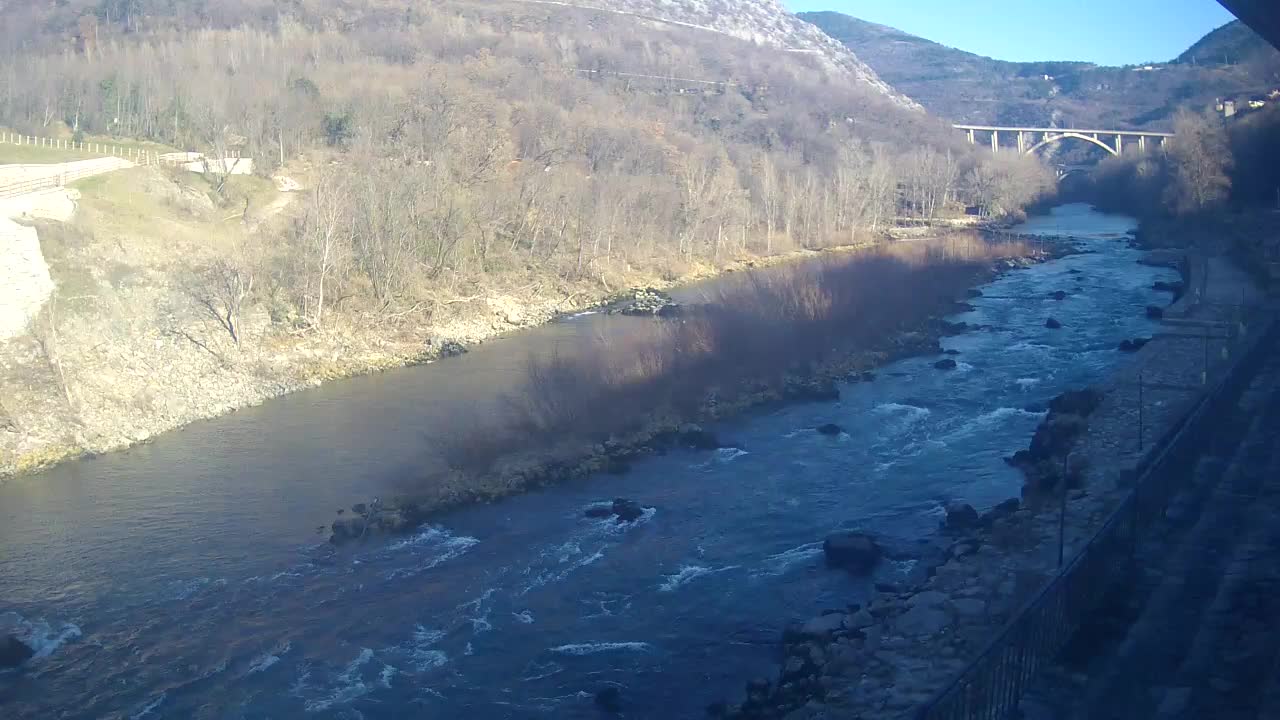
(993, 684)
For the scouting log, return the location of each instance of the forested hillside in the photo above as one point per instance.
(467, 167)
(1228, 63)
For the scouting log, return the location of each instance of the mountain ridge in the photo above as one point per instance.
(967, 87)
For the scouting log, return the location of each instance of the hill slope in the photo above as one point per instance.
(970, 88)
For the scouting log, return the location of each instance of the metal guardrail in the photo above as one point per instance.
(992, 685)
(49, 182)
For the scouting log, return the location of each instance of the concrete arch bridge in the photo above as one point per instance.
(1030, 139)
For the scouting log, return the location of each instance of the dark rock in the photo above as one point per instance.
(599, 511)
(974, 293)
(964, 307)
(854, 551)
(609, 700)
(359, 508)
(1073, 271)
(950, 352)
(14, 652)
(447, 348)
(1154, 312)
(867, 377)
(961, 516)
(627, 510)
(646, 301)
(1076, 402)
(829, 429)
(1133, 345)
(1176, 288)
(1052, 324)
(947, 327)
(1056, 435)
(694, 437)
(1058, 295)
(345, 529)
(811, 390)
(1000, 512)
(945, 364)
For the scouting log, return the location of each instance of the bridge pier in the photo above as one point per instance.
(1022, 142)
(1119, 144)
(1142, 143)
(995, 141)
(971, 139)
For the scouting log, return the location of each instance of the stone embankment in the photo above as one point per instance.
(887, 656)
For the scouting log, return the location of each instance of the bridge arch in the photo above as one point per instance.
(1079, 136)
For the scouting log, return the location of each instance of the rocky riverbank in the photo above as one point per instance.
(887, 656)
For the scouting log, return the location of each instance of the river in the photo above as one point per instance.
(185, 578)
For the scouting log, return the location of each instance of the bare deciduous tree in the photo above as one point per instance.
(220, 291)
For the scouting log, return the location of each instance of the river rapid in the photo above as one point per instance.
(186, 578)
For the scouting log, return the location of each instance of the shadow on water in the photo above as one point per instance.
(185, 578)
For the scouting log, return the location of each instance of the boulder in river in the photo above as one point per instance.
(961, 516)
(447, 348)
(1076, 402)
(1155, 312)
(829, 429)
(945, 364)
(1174, 287)
(854, 551)
(1058, 294)
(346, 528)
(647, 301)
(609, 700)
(1053, 324)
(975, 293)
(1133, 345)
(621, 508)
(14, 652)
(694, 437)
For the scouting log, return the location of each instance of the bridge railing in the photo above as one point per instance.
(992, 685)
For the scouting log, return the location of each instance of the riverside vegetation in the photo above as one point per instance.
(467, 168)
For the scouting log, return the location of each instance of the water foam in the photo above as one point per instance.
(688, 573)
(782, 562)
(603, 647)
(423, 655)
(524, 617)
(266, 660)
(1027, 383)
(447, 546)
(348, 685)
(149, 708)
(39, 634)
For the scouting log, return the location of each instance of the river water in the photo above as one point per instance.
(186, 578)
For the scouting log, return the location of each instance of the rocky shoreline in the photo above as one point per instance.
(890, 655)
(662, 434)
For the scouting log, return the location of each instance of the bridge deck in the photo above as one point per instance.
(1133, 133)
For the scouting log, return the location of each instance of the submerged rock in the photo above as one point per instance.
(1133, 345)
(961, 516)
(853, 551)
(14, 652)
(345, 529)
(694, 437)
(1053, 324)
(829, 429)
(1155, 312)
(627, 510)
(609, 700)
(1058, 295)
(946, 364)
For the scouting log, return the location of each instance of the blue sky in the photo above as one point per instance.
(1108, 32)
